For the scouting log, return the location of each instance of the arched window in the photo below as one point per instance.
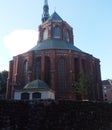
(62, 76)
(57, 32)
(38, 68)
(67, 37)
(45, 34)
(25, 96)
(84, 66)
(25, 71)
(47, 70)
(36, 95)
(76, 68)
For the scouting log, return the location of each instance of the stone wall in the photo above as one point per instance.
(55, 115)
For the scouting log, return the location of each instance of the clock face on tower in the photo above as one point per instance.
(45, 34)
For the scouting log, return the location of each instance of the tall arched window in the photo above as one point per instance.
(38, 68)
(25, 96)
(25, 72)
(57, 32)
(62, 76)
(76, 68)
(47, 70)
(45, 34)
(84, 65)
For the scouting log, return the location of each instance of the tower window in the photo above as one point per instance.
(45, 34)
(67, 37)
(57, 32)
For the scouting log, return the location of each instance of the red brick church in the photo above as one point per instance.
(54, 64)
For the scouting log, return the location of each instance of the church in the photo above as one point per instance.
(52, 68)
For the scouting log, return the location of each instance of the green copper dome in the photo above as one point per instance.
(54, 44)
(36, 84)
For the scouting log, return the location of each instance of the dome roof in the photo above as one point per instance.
(36, 84)
(54, 44)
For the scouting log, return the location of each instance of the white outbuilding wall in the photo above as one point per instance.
(44, 95)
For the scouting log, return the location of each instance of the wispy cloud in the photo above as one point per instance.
(20, 41)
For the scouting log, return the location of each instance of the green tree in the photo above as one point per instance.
(3, 82)
(83, 86)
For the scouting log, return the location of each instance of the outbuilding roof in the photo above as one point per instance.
(36, 84)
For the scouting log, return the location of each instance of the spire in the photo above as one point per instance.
(45, 14)
(45, 2)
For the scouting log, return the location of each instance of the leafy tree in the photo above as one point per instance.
(83, 86)
(0, 80)
(3, 82)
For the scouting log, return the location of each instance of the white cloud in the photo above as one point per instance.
(20, 41)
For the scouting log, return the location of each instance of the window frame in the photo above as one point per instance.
(25, 96)
(45, 34)
(36, 95)
(57, 32)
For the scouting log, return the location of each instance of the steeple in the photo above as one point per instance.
(45, 14)
(45, 2)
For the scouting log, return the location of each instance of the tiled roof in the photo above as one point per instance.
(55, 16)
(105, 82)
(55, 44)
(37, 84)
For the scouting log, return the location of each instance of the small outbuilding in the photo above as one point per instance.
(34, 90)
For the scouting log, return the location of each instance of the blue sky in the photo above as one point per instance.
(91, 21)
